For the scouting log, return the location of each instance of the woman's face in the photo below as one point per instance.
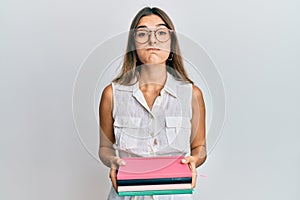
(156, 49)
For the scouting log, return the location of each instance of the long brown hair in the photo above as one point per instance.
(131, 60)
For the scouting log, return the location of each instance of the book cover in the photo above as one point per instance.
(153, 168)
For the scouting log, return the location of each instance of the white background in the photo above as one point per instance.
(255, 45)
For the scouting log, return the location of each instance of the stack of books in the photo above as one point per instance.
(154, 176)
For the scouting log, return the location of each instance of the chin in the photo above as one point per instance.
(154, 62)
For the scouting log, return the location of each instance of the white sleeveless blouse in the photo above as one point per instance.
(164, 130)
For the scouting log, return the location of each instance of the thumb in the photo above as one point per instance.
(187, 160)
(121, 162)
(116, 162)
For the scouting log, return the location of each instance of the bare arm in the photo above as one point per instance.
(198, 141)
(107, 139)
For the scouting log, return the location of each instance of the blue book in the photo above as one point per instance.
(157, 181)
(156, 192)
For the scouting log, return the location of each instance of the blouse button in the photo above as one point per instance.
(151, 152)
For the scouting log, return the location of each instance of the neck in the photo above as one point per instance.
(153, 74)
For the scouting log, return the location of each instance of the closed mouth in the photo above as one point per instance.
(153, 49)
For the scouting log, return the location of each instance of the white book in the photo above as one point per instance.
(154, 187)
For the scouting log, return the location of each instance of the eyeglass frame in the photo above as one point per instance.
(149, 33)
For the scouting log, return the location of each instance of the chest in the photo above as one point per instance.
(154, 123)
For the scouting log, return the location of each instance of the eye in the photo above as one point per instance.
(141, 34)
(162, 32)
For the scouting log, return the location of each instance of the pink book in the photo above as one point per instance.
(153, 168)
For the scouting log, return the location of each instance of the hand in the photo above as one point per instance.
(191, 161)
(115, 163)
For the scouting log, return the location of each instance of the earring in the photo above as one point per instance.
(170, 57)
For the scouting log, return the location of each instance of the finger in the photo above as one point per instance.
(116, 162)
(190, 161)
(120, 162)
(187, 160)
(194, 176)
(113, 177)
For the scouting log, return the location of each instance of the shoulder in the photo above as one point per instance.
(197, 92)
(107, 93)
(197, 96)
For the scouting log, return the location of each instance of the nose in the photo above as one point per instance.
(152, 38)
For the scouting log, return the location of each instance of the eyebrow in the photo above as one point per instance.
(143, 26)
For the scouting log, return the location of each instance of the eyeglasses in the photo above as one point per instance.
(143, 35)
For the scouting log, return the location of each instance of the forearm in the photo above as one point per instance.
(199, 154)
(106, 155)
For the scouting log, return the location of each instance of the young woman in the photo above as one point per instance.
(152, 108)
